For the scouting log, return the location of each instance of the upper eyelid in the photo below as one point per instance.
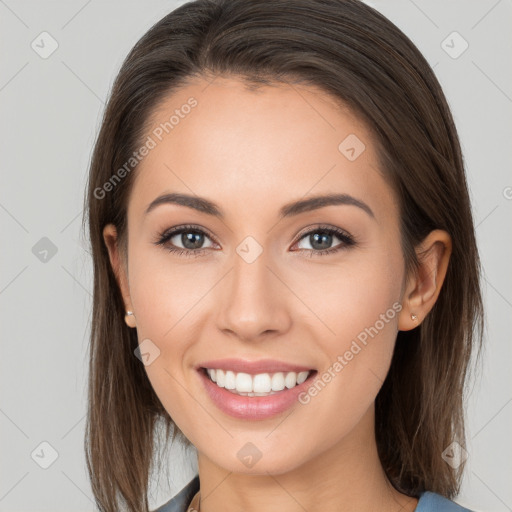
(321, 227)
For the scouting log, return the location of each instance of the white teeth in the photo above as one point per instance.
(262, 384)
(221, 378)
(301, 377)
(230, 381)
(290, 380)
(277, 382)
(243, 383)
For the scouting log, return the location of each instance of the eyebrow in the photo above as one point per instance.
(204, 205)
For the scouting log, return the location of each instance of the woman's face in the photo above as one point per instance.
(257, 286)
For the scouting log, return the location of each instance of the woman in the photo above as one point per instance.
(286, 272)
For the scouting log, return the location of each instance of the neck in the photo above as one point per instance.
(347, 477)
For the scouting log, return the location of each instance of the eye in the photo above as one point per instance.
(321, 238)
(192, 239)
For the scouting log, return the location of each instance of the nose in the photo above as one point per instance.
(254, 301)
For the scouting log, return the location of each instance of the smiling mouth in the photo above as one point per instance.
(261, 384)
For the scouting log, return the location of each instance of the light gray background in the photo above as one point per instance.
(50, 114)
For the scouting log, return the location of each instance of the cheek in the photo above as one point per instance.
(166, 303)
(169, 300)
(359, 304)
(352, 296)
(166, 295)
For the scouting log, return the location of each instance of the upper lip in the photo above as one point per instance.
(253, 367)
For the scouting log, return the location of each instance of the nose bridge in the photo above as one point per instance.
(253, 299)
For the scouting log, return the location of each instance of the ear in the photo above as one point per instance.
(119, 267)
(423, 288)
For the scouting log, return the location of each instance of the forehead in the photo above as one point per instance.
(246, 148)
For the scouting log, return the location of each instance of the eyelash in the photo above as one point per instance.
(346, 239)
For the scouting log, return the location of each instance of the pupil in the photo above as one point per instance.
(195, 240)
(321, 242)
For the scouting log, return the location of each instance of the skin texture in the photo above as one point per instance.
(251, 152)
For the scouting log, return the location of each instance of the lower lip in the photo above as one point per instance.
(253, 407)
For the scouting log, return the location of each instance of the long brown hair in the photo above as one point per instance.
(362, 59)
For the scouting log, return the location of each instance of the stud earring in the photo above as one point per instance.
(129, 318)
(414, 317)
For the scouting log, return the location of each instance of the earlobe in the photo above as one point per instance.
(424, 287)
(111, 241)
(129, 319)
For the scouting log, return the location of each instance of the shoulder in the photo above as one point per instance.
(428, 501)
(433, 502)
(182, 500)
